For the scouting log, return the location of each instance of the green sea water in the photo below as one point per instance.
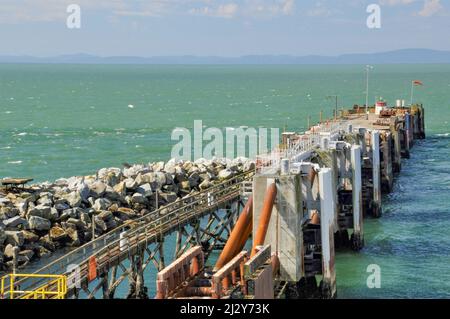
(63, 120)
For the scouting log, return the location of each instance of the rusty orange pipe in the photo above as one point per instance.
(238, 237)
(269, 200)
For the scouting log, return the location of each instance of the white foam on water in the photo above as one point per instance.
(15, 162)
(22, 134)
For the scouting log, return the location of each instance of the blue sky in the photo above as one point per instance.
(220, 27)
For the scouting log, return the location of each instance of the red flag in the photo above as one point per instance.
(417, 82)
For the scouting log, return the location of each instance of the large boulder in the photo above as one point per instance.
(168, 197)
(73, 198)
(14, 238)
(16, 222)
(57, 233)
(225, 174)
(8, 212)
(45, 199)
(40, 211)
(61, 204)
(131, 184)
(121, 189)
(83, 190)
(101, 204)
(39, 223)
(98, 188)
(29, 236)
(145, 190)
(138, 198)
(9, 251)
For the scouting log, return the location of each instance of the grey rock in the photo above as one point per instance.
(27, 253)
(84, 217)
(14, 238)
(131, 184)
(168, 197)
(61, 204)
(77, 223)
(138, 198)
(9, 251)
(74, 199)
(145, 190)
(98, 188)
(21, 205)
(101, 204)
(16, 222)
(39, 223)
(205, 184)
(121, 189)
(100, 223)
(225, 174)
(9, 212)
(84, 191)
(69, 213)
(40, 211)
(57, 233)
(45, 201)
(29, 236)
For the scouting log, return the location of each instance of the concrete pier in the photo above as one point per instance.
(355, 160)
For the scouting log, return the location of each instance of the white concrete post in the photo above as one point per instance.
(376, 174)
(357, 196)
(327, 212)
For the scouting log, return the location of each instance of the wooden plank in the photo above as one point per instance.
(257, 261)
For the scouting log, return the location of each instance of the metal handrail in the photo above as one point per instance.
(155, 221)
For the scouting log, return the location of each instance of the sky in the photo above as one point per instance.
(220, 27)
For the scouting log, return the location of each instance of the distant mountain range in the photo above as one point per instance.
(390, 57)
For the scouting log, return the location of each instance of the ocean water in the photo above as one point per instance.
(64, 120)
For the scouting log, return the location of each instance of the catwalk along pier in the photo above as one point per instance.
(304, 199)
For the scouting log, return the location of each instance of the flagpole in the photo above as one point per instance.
(412, 92)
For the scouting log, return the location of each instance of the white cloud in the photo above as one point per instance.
(430, 8)
(319, 11)
(228, 10)
(396, 2)
(223, 11)
(288, 7)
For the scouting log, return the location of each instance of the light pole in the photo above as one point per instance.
(336, 105)
(368, 68)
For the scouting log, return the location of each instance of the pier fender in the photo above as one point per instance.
(376, 209)
(357, 242)
(326, 290)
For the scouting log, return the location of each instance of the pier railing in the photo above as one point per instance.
(116, 244)
(269, 163)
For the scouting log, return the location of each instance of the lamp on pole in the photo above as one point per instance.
(368, 68)
(336, 105)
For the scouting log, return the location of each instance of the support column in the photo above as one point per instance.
(357, 236)
(376, 175)
(335, 173)
(397, 146)
(327, 213)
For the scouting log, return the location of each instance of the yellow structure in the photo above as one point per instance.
(53, 287)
